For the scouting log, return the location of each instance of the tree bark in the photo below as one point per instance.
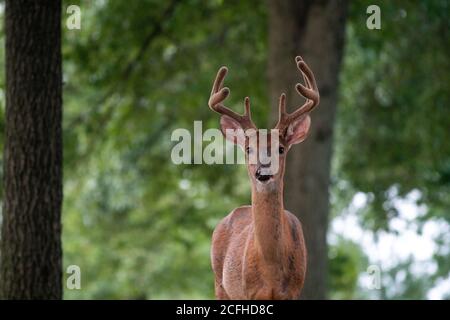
(315, 30)
(30, 262)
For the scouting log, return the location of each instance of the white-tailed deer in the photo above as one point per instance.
(258, 251)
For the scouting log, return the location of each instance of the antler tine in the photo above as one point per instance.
(309, 91)
(281, 111)
(219, 94)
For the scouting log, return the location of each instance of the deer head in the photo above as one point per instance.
(266, 151)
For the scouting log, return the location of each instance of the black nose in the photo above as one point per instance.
(261, 177)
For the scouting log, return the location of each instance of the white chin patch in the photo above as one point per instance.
(265, 186)
(266, 171)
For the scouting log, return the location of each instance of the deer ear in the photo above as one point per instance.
(232, 130)
(297, 130)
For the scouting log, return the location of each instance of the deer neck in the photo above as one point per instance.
(268, 219)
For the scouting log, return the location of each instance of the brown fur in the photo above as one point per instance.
(258, 251)
(241, 270)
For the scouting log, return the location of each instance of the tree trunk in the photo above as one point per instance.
(315, 30)
(30, 263)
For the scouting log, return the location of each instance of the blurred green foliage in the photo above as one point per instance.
(395, 106)
(393, 126)
(139, 226)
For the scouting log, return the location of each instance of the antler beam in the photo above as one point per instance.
(219, 94)
(309, 91)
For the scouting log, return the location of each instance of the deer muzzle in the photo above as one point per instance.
(263, 173)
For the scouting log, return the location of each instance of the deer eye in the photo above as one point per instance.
(281, 150)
